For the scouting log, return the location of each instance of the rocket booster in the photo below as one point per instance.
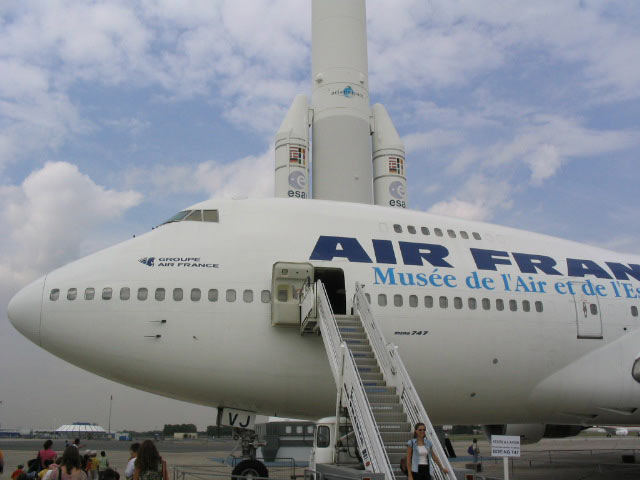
(344, 127)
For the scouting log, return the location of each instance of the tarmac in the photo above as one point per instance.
(578, 458)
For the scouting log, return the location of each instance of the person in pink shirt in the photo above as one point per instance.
(47, 453)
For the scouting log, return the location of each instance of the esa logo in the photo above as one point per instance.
(148, 261)
(398, 203)
(296, 194)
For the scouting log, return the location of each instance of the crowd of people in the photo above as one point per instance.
(145, 463)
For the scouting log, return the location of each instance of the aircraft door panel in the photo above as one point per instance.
(588, 315)
(287, 281)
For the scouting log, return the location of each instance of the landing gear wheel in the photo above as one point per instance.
(250, 468)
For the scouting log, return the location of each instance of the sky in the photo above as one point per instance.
(114, 115)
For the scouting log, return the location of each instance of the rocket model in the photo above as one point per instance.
(357, 153)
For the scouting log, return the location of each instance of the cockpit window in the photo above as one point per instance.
(178, 216)
(195, 216)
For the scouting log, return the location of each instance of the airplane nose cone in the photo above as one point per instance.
(25, 308)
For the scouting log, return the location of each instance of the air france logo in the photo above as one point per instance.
(148, 261)
(177, 262)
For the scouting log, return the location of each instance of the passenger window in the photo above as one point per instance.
(213, 295)
(499, 304)
(178, 294)
(231, 295)
(72, 294)
(457, 303)
(195, 216)
(143, 293)
(594, 309)
(444, 302)
(299, 429)
(397, 228)
(265, 296)
(634, 311)
(382, 300)
(438, 232)
(196, 294)
(464, 235)
(486, 304)
(89, 293)
(476, 236)
(451, 233)
(368, 297)
(287, 429)
(428, 301)
(413, 301)
(473, 304)
(125, 293)
(107, 293)
(397, 300)
(539, 307)
(309, 428)
(283, 293)
(526, 306)
(424, 230)
(54, 295)
(513, 305)
(210, 215)
(411, 229)
(323, 438)
(247, 296)
(160, 294)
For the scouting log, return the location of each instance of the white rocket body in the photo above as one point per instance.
(389, 178)
(292, 152)
(342, 122)
(340, 101)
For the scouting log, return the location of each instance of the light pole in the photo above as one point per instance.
(110, 402)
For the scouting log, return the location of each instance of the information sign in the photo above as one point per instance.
(505, 446)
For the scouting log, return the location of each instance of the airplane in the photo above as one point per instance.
(524, 333)
(619, 431)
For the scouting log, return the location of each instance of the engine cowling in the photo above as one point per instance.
(532, 432)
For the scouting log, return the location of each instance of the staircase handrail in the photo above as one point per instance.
(348, 380)
(396, 375)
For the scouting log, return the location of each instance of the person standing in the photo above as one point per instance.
(71, 465)
(103, 464)
(149, 464)
(133, 453)
(419, 454)
(476, 450)
(47, 453)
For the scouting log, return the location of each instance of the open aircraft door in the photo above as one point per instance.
(588, 315)
(286, 285)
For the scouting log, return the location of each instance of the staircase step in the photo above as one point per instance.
(381, 391)
(374, 383)
(356, 341)
(371, 376)
(394, 458)
(361, 362)
(351, 329)
(387, 407)
(396, 436)
(368, 369)
(360, 348)
(383, 399)
(395, 427)
(384, 416)
(353, 336)
(362, 354)
(395, 447)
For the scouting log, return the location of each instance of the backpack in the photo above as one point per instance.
(403, 465)
(470, 450)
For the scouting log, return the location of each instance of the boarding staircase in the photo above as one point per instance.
(372, 383)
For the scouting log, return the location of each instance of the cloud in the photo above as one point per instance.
(49, 215)
(432, 140)
(250, 176)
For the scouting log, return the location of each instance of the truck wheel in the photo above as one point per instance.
(250, 468)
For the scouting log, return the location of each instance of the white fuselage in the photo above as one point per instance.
(470, 365)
